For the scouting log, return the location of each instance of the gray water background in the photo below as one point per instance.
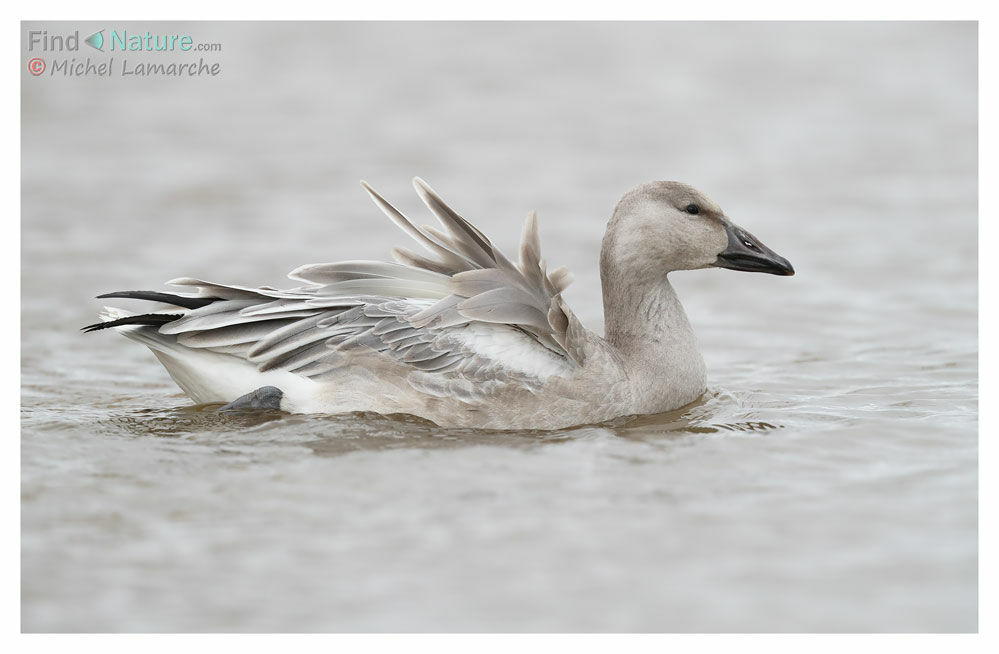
(827, 480)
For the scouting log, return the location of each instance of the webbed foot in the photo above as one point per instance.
(265, 397)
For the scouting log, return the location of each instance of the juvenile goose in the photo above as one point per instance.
(463, 337)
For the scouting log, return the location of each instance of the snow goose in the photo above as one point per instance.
(461, 335)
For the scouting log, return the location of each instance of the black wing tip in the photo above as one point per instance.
(145, 320)
(166, 298)
(97, 326)
(125, 294)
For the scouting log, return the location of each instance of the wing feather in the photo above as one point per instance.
(465, 319)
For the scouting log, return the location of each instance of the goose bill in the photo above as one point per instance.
(747, 253)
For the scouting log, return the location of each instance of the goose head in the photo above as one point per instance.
(660, 227)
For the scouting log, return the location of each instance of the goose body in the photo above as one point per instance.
(461, 335)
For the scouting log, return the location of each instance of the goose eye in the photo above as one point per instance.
(692, 209)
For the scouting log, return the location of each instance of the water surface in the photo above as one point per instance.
(826, 481)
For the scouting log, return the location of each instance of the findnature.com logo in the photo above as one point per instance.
(118, 40)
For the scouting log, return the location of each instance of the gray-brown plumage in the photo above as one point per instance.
(460, 335)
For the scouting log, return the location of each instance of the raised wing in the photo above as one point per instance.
(484, 285)
(459, 320)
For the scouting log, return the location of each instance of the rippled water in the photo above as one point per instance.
(827, 480)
